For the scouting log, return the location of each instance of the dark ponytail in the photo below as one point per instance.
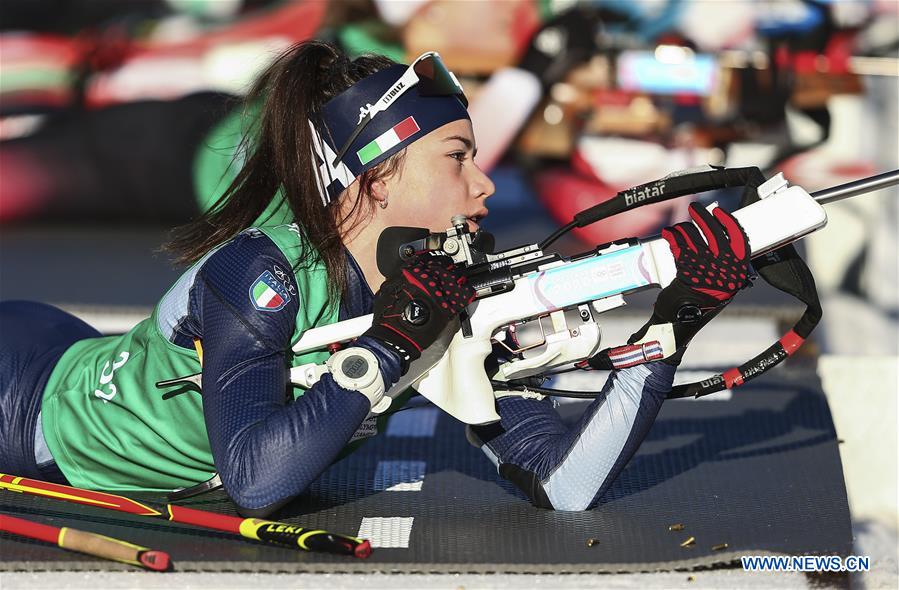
(278, 146)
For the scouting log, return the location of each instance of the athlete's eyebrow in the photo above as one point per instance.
(467, 142)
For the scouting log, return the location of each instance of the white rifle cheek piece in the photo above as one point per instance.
(357, 369)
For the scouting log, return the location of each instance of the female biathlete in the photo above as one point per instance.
(350, 147)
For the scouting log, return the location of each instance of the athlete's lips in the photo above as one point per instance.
(476, 217)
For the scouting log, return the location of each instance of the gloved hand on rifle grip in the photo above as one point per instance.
(712, 265)
(414, 305)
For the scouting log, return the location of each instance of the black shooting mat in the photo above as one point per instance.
(760, 472)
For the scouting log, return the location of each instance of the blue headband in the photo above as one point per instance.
(409, 118)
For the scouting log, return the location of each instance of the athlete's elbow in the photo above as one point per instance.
(255, 500)
(567, 496)
(543, 496)
(260, 511)
(571, 503)
(258, 493)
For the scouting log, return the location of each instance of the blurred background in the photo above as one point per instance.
(120, 119)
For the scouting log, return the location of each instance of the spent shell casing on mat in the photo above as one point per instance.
(689, 542)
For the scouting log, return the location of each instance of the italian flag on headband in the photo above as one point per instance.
(268, 294)
(390, 138)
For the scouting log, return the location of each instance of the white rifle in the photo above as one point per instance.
(525, 288)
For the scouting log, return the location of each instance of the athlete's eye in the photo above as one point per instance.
(459, 156)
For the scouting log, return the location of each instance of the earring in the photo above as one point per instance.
(383, 204)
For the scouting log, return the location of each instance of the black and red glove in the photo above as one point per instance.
(414, 305)
(710, 271)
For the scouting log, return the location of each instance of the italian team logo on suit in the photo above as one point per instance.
(268, 294)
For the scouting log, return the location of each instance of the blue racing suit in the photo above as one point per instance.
(269, 448)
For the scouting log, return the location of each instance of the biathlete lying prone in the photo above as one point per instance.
(352, 147)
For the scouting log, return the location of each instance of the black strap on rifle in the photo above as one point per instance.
(658, 191)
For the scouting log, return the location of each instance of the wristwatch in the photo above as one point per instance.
(357, 369)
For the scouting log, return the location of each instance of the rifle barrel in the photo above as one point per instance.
(857, 187)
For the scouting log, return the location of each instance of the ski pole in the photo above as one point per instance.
(277, 533)
(89, 543)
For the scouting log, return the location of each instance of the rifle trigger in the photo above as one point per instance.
(466, 324)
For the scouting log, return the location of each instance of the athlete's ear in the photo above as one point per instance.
(379, 191)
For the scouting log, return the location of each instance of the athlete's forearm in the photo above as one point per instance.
(570, 467)
(267, 448)
(268, 452)
(618, 428)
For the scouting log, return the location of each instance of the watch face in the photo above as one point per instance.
(354, 366)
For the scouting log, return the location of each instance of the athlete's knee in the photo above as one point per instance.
(576, 502)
